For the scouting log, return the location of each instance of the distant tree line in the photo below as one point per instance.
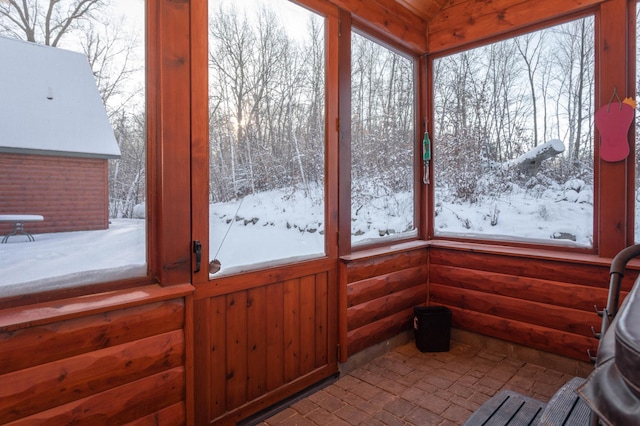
(494, 103)
(267, 101)
(383, 96)
(266, 105)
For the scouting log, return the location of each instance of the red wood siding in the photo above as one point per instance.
(112, 365)
(71, 193)
(381, 292)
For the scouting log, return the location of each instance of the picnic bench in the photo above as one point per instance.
(18, 221)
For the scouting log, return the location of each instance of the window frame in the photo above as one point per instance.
(174, 153)
(515, 242)
(419, 189)
(200, 146)
(168, 231)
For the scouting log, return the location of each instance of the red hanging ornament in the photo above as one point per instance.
(613, 122)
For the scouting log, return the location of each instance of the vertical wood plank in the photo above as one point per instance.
(291, 329)
(321, 322)
(202, 364)
(169, 201)
(236, 349)
(189, 359)
(424, 111)
(333, 284)
(307, 323)
(332, 153)
(612, 196)
(275, 336)
(342, 311)
(154, 121)
(344, 133)
(199, 134)
(257, 343)
(217, 381)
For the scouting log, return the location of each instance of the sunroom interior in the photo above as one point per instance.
(450, 155)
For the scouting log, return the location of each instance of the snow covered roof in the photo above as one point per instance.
(50, 104)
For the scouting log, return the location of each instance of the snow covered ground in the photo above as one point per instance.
(564, 217)
(66, 259)
(274, 226)
(267, 226)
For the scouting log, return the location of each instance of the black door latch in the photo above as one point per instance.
(197, 249)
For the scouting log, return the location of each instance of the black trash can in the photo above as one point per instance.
(432, 327)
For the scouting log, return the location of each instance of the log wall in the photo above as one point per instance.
(379, 291)
(115, 358)
(538, 301)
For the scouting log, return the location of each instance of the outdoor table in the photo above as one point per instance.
(18, 221)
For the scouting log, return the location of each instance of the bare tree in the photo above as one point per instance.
(575, 56)
(266, 103)
(79, 24)
(530, 48)
(488, 101)
(127, 174)
(90, 26)
(315, 77)
(46, 22)
(382, 135)
(110, 52)
(229, 61)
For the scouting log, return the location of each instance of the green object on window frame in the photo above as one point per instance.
(426, 147)
(426, 156)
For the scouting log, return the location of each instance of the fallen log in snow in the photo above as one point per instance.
(530, 161)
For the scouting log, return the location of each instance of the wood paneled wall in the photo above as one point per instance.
(116, 358)
(71, 193)
(258, 345)
(379, 293)
(540, 302)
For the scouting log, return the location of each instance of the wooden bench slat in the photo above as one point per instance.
(508, 408)
(566, 407)
(529, 414)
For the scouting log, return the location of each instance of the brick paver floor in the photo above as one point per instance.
(407, 387)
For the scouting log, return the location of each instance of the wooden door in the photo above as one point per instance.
(263, 335)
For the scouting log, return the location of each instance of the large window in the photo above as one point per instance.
(513, 138)
(72, 151)
(266, 118)
(382, 143)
